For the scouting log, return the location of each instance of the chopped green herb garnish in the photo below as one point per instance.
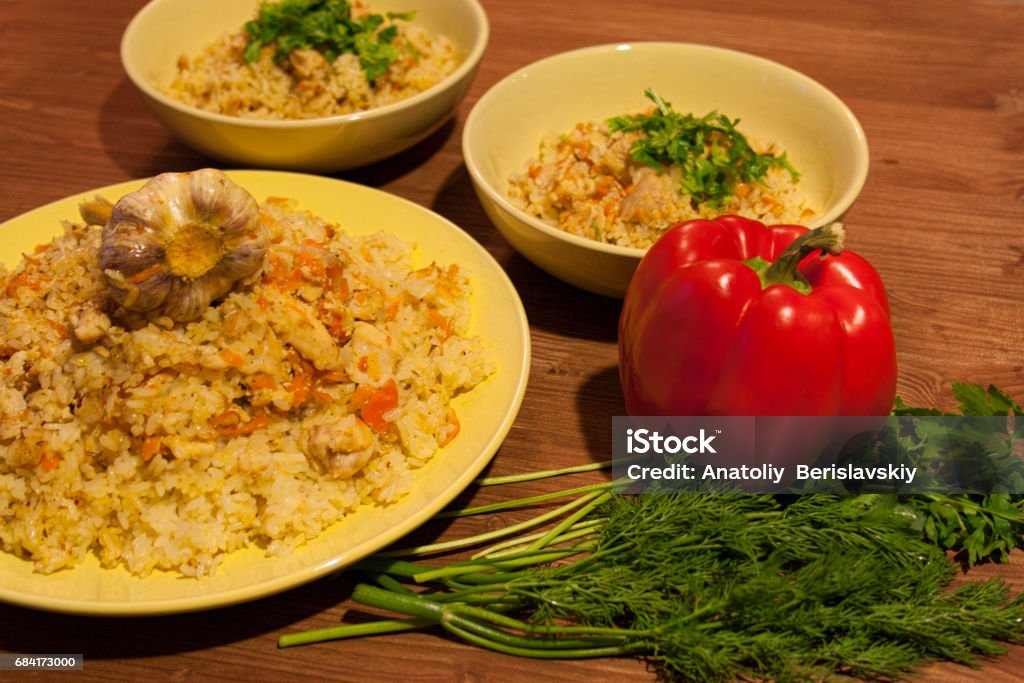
(327, 26)
(714, 156)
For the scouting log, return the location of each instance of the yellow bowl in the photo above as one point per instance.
(820, 135)
(166, 29)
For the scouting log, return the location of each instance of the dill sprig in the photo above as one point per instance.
(713, 155)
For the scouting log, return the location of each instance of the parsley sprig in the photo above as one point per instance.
(713, 155)
(327, 26)
(975, 526)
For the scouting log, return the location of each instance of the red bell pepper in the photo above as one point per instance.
(732, 317)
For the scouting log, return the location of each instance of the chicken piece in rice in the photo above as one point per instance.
(337, 441)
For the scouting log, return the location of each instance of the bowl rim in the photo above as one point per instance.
(465, 68)
(842, 203)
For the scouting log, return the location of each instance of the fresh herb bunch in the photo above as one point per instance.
(975, 526)
(973, 454)
(708, 588)
(713, 587)
(714, 155)
(327, 26)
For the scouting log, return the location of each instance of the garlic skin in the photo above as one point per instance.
(180, 242)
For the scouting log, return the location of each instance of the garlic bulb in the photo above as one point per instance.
(180, 242)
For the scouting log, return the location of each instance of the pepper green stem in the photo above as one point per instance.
(828, 238)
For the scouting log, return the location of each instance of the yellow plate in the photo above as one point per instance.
(486, 414)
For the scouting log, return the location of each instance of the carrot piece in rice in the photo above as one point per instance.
(377, 406)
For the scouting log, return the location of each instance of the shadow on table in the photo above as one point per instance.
(30, 631)
(139, 144)
(597, 402)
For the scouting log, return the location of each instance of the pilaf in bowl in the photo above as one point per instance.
(225, 80)
(584, 187)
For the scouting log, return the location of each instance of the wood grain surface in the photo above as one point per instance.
(938, 87)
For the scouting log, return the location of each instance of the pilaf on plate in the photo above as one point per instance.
(315, 382)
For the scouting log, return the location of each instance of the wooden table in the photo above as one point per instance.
(938, 87)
